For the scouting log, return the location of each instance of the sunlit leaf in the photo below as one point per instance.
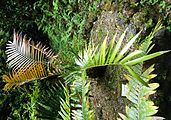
(22, 52)
(148, 71)
(102, 51)
(111, 46)
(130, 56)
(126, 47)
(117, 47)
(122, 116)
(145, 58)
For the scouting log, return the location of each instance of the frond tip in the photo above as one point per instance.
(17, 78)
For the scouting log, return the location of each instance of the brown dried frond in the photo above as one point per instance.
(17, 78)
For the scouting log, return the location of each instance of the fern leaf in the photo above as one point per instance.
(17, 78)
(145, 46)
(135, 75)
(141, 108)
(22, 52)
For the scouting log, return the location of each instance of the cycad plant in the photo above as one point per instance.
(29, 61)
(76, 104)
(113, 53)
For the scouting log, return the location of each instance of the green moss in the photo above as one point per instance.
(149, 23)
(122, 17)
(115, 77)
(133, 3)
(107, 5)
(139, 19)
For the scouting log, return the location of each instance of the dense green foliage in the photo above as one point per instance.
(65, 28)
(48, 103)
(3, 68)
(164, 8)
(64, 22)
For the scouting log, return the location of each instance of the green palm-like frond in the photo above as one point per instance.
(65, 105)
(141, 108)
(115, 53)
(17, 78)
(22, 52)
(147, 42)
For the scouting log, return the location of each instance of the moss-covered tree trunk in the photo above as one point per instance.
(106, 88)
(106, 91)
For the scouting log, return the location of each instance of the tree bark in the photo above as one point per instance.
(106, 91)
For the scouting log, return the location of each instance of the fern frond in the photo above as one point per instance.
(65, 105)
(22, 52)
(27, 74)
(141, 108)
(48, 102)
(77, 104)
(147, 42)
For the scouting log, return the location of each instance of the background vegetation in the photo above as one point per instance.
(63, 25)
